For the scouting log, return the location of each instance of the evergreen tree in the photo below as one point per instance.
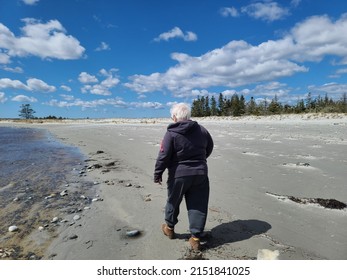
(207, 110)
(221, 105)
(343, 106)
(300, 107)
(242, 105)
(252, 107)
(235, 105)
(197, 108)
(214, 109)
(26, 112)
(275, 106)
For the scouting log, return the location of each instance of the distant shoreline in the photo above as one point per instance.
(282, 117)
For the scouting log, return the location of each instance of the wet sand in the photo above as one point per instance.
(266, 175)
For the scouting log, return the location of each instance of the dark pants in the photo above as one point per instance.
(196, 190)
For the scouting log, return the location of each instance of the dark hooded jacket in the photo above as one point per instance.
(183, 151)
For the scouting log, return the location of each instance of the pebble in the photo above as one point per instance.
(74, 236)
(63, 193)
(41, 228)
(6, 252)
(132, 233)
(129, 185)
(76, 217)
(55, 219)
(13, 228)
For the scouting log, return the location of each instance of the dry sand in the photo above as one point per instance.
(257, 165)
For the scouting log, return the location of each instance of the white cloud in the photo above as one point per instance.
(66, 88)
(15, 84)
(3, 98)
(229, 11)
(102, 88)
(334, 90)
(146, 105)
(176, 32)
(4, 58)
(39, 85)
(342, 71)
(116, 102)
(24, 98)
(67, 97)
(32, 85)
(268, 11)
(295, 3)
(45, 40)
(239, 63)
(30, 2)
(235, 64)
(269, 90)
(318, 36)
(103, 47)
(86, 78)
(13, 70)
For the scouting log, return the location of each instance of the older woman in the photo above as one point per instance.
(183, 151)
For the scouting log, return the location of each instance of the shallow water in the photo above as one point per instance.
(32, 154)
(33, 166)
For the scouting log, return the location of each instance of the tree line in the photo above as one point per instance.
(204, 106)
(27, 112)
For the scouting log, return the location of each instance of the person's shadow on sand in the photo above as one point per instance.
(231, 232)
(235, 231)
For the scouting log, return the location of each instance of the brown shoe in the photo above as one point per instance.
(195, 243)
(169, 232)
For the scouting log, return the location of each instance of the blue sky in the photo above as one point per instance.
(135, 58)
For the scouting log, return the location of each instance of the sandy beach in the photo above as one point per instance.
(267, 176)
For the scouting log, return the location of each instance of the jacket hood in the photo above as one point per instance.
(184, 127)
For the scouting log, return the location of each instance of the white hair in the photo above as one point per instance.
(181, 111)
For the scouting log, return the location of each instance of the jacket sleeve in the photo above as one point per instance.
(164, 157)
(210, 144)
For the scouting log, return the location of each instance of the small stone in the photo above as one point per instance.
(55, 219)
(13, 228)
(129, 185)
(74, 236)
(41, 228)
(132, 233)
(76, 217)
(63, 193)
(50, 196)
(148, 199)
(15, 199)
(86, 208)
